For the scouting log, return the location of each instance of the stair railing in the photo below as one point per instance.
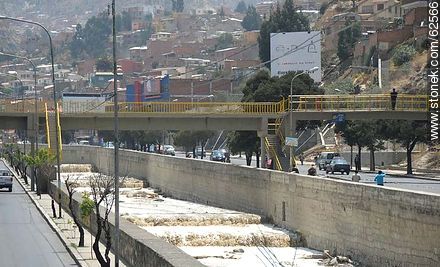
(270, 149)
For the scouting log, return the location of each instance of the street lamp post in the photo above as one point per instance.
(292, 131)
(57, 130)
(36, 104)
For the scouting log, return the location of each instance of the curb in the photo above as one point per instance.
(405, 175)
(73, 253)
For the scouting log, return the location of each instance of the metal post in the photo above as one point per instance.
(292, 130)
(116, 141)
(192, 92)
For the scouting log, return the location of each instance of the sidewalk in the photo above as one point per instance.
(403, 174)
(66, 230)
(395, 172)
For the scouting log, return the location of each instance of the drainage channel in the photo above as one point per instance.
(216, 237)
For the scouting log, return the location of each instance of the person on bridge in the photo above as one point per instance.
(379, 178)
(312, 170)
(393, 99)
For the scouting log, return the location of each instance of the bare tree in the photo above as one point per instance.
(71, 186)
(102, 193)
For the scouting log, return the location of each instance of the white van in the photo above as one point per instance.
(325, 158)
(5, 177)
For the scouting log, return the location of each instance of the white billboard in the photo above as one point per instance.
(295, 51)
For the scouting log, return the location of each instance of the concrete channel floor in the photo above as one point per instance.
(216, 237)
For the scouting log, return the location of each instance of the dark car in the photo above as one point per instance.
(217, 155)
(339, 165)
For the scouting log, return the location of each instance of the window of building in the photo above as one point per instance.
(380, 6)
(367, 9)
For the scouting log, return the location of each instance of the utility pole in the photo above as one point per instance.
(116, 133)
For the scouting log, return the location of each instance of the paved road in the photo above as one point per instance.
(368, 178)
(25, 237)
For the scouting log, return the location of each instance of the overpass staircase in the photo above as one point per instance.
(274, 143)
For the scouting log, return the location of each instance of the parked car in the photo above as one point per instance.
(217, 155)
(5, 177)
(325, 158)
(339, 165)
(84, 142)
(169, 150)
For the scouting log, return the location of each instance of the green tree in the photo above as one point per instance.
(178, 6)
(347, 40)
(252, 20)
(76, 46)
(190, 139)
(96, 35)
(263, 88)
(40, 161)
(126, 21)
(148, 138)
(282, 20)
(104, 64)
(221, 13)
(241, 7)
(407, 134)
(247, 142)
(224, 41)
(402, 54)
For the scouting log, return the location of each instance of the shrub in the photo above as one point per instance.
(403, 54)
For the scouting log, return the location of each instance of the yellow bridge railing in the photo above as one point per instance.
(199, 107)
(299, 103)
(372, 102)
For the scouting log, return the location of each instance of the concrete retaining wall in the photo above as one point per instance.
(137, 246)
(375, 225)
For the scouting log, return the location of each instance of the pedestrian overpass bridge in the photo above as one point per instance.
(212, 115)
(271, 120)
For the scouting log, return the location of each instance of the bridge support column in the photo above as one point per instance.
(262, 136)
(262, 133)
(291, 130)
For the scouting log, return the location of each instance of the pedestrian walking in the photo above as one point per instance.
(270, 163)
(301, 158)
(356, 177)
(379, 178)
(357, 162)
(294, 170)
(393, 95)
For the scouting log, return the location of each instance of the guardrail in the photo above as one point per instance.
(374, 102)
(271, 151)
